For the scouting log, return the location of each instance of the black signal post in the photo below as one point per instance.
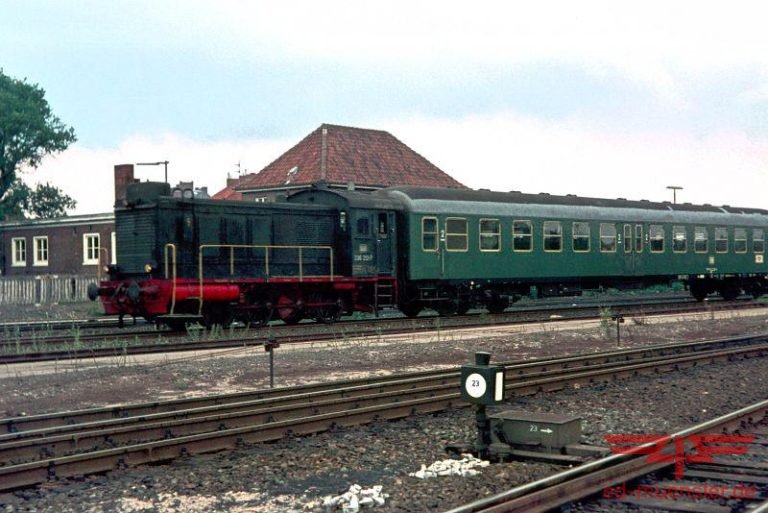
(482, 384)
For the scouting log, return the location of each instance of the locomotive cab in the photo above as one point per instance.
(367, 230)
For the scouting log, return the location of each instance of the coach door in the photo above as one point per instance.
(385, 234)
(632, 248)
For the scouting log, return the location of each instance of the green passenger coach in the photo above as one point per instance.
(463, 248)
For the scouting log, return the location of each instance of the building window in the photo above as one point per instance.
(456, 236)
(19, 257)
(607, 238)
(553, 236)
(700, 240)
(721, 240)
(758, 240)
(656, 235)
(490, 235)
(740, 240)
(679, 239)
(41, 250)
(581, 233)
(429, 233)
(91, 248)
(522, 236)
(260, 199)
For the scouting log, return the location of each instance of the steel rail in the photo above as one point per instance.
(352, 411)
(574, 484)
(512, 369)
(123, 344)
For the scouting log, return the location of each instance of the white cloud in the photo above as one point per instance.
(500, 152)
(86, 174)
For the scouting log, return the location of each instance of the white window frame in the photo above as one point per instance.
(15, 261)
(86, 238)
(36, 260)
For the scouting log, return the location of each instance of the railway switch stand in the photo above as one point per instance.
(482, 384)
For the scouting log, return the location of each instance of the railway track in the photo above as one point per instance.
(38, 448)
(146, 341)
(634, 479)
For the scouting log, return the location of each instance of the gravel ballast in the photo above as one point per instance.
(297, 474)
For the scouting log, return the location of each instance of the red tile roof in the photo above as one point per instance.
(338, 155)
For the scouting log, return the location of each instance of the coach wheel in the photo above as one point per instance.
(729, 292)
(411, 309)
(497, 305)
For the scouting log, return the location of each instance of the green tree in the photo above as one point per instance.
(28, 132)
(48, 201)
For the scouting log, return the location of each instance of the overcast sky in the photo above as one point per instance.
(608, 99)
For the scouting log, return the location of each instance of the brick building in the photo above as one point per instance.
(341, 157)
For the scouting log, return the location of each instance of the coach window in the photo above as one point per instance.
(638, 238)
(700, 239)
(656, 236)
(40, 255)
(429, 233)
(456, 234)
(679, 239)
(607, 238)
(91, 245)
(721, 240)
(740, 240)
(758, 240)
(490, 235)
(581, 234)
(19, 257)
(553, 236)
(522, 236)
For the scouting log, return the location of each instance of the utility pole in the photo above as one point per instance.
(674, 188)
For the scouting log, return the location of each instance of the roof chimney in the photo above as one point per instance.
(323, 154)
(123, 177)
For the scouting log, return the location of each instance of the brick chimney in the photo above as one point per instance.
(123, 176)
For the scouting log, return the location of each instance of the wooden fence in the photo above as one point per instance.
(39, 290)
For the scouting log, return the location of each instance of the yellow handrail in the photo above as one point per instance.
(266, 249)
(173, 256)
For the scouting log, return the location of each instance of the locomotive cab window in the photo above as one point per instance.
(490, 235)
(607, 238)
(700, 240)
(581, 233)
(456, 234)
(679, 239)
(656, 238)
(740, 240)
(363, 227)
(522, 236)
(429, 233)
(721, 240)
(553, 236)
(758, 240)
(383, 224)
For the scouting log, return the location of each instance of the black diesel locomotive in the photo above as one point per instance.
(321, 253)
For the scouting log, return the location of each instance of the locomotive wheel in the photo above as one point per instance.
(288, 311)
(216, 314)
(328, 315)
